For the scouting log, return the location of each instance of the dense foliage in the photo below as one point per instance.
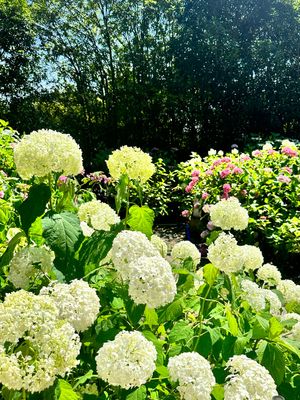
(94, 306)
(172, 73)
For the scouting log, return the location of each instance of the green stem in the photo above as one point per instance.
(50, 187)
(24, 396)
(201, 317)
(127, 204)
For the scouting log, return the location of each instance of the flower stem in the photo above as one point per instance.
(24, 396)
(50, 187)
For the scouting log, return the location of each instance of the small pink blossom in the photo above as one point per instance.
(225, 173)
(245, 157)
(226, 188)
(208, 172)
(1, 194)
(188, 188)
(237, 170)
(289, 152)
(185, 213)
(195, 179)
(210, 226)
(283, 179)
(272, 151)
(244, 192)
(206, 208)
(62, 179)
(204, 195)
(288, 169)
(195, 173)
(256, 153)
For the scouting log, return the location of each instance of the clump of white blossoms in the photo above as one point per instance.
(229, 214)
(131, 161)
(259, 298)
(270, 274)
(160, 245)
(29, 264)
(45, 151)
(248, 380)
(184, 250)
(194, 374)
(77, 302)
(35, 346)
(151, 282)
(252, 256)
(289, 290)
(127, 361)
(225, 254)
(98, 215)
(127, 247)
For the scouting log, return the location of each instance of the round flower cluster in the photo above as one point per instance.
(131, 161)
(77, 303)
(45, 151)
(269, 274)
(229, 214)
(248, 380)
(98, 215)
(259, 298)
(194, 374)
(127, 247)
(289, 290)
(252, 256)
(35, 346)
(127, 361)
(225, 254)
(29, 264)
(160, 245)
(183, 251)
(151, 282)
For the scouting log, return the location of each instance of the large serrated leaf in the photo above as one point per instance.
(170, 312)
(138, 394)
(141, 219)
(62, 233)
(64, 391)
(35, 204)
(273, 360)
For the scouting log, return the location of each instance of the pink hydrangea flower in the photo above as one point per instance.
(195, 173)
(185, 213)
(204, 195)
(289, 152)
(226, 188)
(256, 153)
(283, 179)
(62, 179)
(195, 179)
(245, 157)
(225, 173)
(244, 192)
(1, 194)
(188, 188)
(208, 172)
(272, 151)
(237, 170)
(288, 169)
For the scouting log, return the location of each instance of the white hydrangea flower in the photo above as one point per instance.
(194, 374)
(160, 245)
(289, 290)
(127, 361)
(253, 257)
(151, 282)
(184, 250)
(127, 247)
(77, 302)
(49, 346)
(212, 152)
(258, 298)
(45, 151)
(229, 214)
(98, 215)
(248, 380)
(267, 146)
(253, 294)
(86, 230)
(29, 264)
(269, 274)
(131, 161)
(225, 254)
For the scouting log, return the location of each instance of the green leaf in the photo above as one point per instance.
(210, 273)
(141, 219)
(232, 322)
(228, 347)
(158, 345)
(204, 344)
(84, 378)
(64, 391)
(151, 317)
(181, 331)
(171, 312)
(273, 360)
(122, 189)
(138, 394)
(9, 252)
(218, 392)
(62, 233)
(35, 204)
(134, 311)
(260, 328)
(275, 328)
(95, 248)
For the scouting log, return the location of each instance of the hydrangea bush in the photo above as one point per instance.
(116, 314)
